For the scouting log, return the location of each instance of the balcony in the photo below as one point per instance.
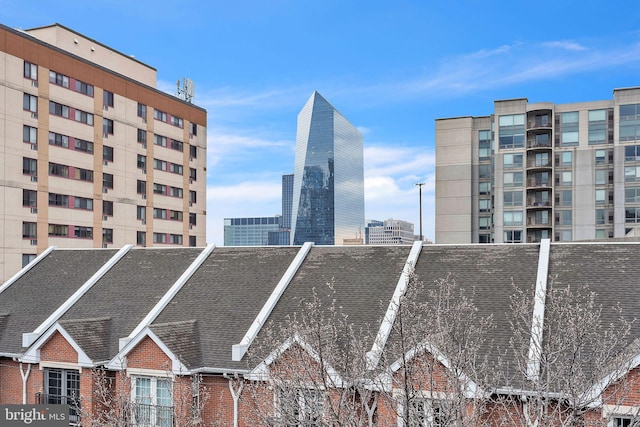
(539, 164)
(532, 222)
(540, 204)
(539, 183)
(535, 143)
(152, 415)
(56, 399)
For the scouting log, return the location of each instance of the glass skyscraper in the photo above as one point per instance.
(328, 185)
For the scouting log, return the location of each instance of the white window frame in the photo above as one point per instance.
(152, 399)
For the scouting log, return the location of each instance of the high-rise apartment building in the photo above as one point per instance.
(389, 232)
(287, 200)
(542, 170)
(328, 183)
(105, 158)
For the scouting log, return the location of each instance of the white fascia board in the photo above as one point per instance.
(32, 355)
(168, 296)
(30, 337)
(26, 268)
(118, 362)
(373, 356)
(537, 321)
(239, 350)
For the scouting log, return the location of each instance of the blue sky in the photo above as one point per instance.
(391, 68)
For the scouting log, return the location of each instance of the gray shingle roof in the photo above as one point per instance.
(130, 289)
(34, 296)
(223, 297)
(92, 335)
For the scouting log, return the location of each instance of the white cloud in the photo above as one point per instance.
(565, 44)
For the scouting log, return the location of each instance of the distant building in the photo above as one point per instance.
(328, 183)
(92, 154)
(250, 231)
(287, 200)
(528, 172)
(389, 232)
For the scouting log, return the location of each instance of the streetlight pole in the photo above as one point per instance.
(420, 184)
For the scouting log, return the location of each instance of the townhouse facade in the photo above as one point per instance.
(170, 334)
(93, 155)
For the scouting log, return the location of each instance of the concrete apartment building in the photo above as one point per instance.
(389, 232)
(92, 154)
(528, 172)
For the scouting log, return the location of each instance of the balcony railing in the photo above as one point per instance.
(56, 399)
(538, 183)
(152, 415)
(534, 164)
(538, 203)
(532, 143)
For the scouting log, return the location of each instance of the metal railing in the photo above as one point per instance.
(56, 399)
(152, 415)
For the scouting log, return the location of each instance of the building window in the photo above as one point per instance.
(484, 238)
(601, 176)
(30, 103)
(484, 187)
(107, 208)
(192, 174)
(175, 239)
(142, 136)
(193, 197)
(193, 152)
(566, 158)
(597, 127)
(58, 79)
(600, 216)
(159, 238)
(58, 109)
(29, 166)
(542, 160)
(160, 140)
(176, 121)
(29, 198)
(601, 197)
(159, 213)
(565, 178)
(484, 144)
(484, 223)
(141, 238)
(564, 236)
(512, 218)
(29, 230)
(142, 163)
(569, 129)
(142, 110)
(629, 122)
(484, 205)
(513, 236)
(62, 387)
(513, 179)
(141, 212)
(58, 139)
(512, 198)
(152, 401)
(159, 164)
(58, 230)
(160, 115)
(175, 215)
(59, 200)
(632, 173)
(566, 217)
(512, 161)
(84, 88)
(542, 218)
(632, 195)
(511, 131)
(30, 71)
(141, 187)
(82, 145)
(107, 153)
(303, 407)
(107, 98)
(83, 232)
(83, 203)
(175, 168)
(107, 235)
(107, 126)
(176, 145)
(29, 134)
(193, 129)
(107, 180)
(631, 153)
(86, 118)
(192, 219)
(27, 258)
(192, 241)
(632, 215)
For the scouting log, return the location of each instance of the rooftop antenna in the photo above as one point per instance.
(187, 91)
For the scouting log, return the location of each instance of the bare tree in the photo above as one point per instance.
(568, 366)
(312, 369)
(112, 404)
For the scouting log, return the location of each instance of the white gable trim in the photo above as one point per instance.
(32, 355)
(168, 296)
(239, 350)
(26, 268)
(373, 356)
(537, 321)
(261, 372)
(119, 361)
(469, 387)
(30, 337)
